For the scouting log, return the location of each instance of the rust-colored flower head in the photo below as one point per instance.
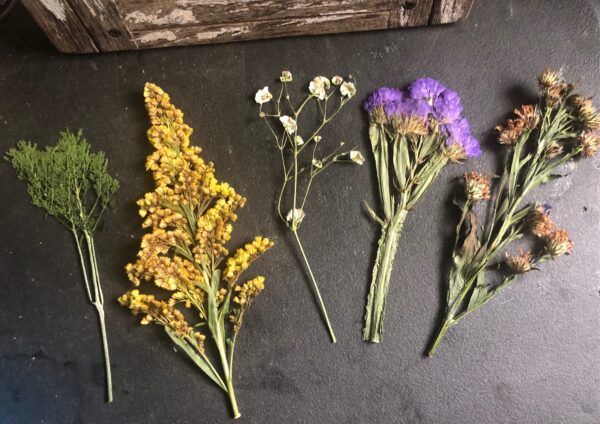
(520, 263)
(406, 125)
(577, 101)
(529, 115)
(554, 88)
(539, 222)
(548, 78)
(511, 132)
(584, 109)
(558, 243)
(477, 186)
(553, 149)
(590, 143)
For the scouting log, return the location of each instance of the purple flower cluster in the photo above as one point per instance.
(427, 98)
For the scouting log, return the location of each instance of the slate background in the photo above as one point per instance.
(530, 356)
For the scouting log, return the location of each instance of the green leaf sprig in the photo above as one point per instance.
(73, 185)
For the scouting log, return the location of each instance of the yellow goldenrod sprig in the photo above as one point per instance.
(189, 216)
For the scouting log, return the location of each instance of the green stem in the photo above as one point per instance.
(99, 304)
(219, 338)
(83, 266)
(106, 353)
(228, 379)
(231, 393)
(442, 332)
(382, 271)
(315, 287)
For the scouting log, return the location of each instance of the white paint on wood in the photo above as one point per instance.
(175, 17)
(157, 36)
(96, 9)
(231, 31)
(56, 7)
(318, 20)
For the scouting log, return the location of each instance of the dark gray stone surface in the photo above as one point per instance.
(531, 356)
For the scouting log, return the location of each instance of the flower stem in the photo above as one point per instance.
(382, 271)
(447, 324)
(99, 304)
(231, 393)
(100, 310)
(316, 288)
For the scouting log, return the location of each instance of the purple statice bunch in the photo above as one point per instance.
(429, 102)
(414, 133)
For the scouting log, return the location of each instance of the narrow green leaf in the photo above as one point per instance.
(480, 292)
(200, 361)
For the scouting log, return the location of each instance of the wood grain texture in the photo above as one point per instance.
(449, 11)
(111, 25)
(61, 25)
(160, 14)
(260, 29)
(104, 23)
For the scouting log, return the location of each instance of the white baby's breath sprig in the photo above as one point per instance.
(289, 124)
(348, 89)
(318, 87)
(286, 76)
(263, 96)
(357, 157)
(301, 165)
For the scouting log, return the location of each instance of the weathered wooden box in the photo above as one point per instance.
(87, 26)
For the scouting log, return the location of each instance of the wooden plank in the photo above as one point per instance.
(110, 25)
(61, 25)
(143, 15)
(260, 29)
(105, 24)
(411, 13)
(449, 11)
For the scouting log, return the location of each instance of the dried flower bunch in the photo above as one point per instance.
(302, 159)
(73, 185)
(414, 133)
(539, 139)
(189, 215)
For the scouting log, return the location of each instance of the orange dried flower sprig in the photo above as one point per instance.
(189, 215)
(540, 138)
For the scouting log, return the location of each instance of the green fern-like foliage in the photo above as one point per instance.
(66, 180)
(73, 185)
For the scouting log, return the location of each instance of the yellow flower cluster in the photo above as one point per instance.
(162, 313)
(244, 295)
(242, 258)
(189, 215)
(249, 290)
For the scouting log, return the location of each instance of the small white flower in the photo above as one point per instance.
(337, 80)
(286, 76)
(348, 89)
(263, 96)
(298, 140)
(295, 214)
(318, 86)
(289, 124)
(317, 138)
(357, 157)
(317, 163)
